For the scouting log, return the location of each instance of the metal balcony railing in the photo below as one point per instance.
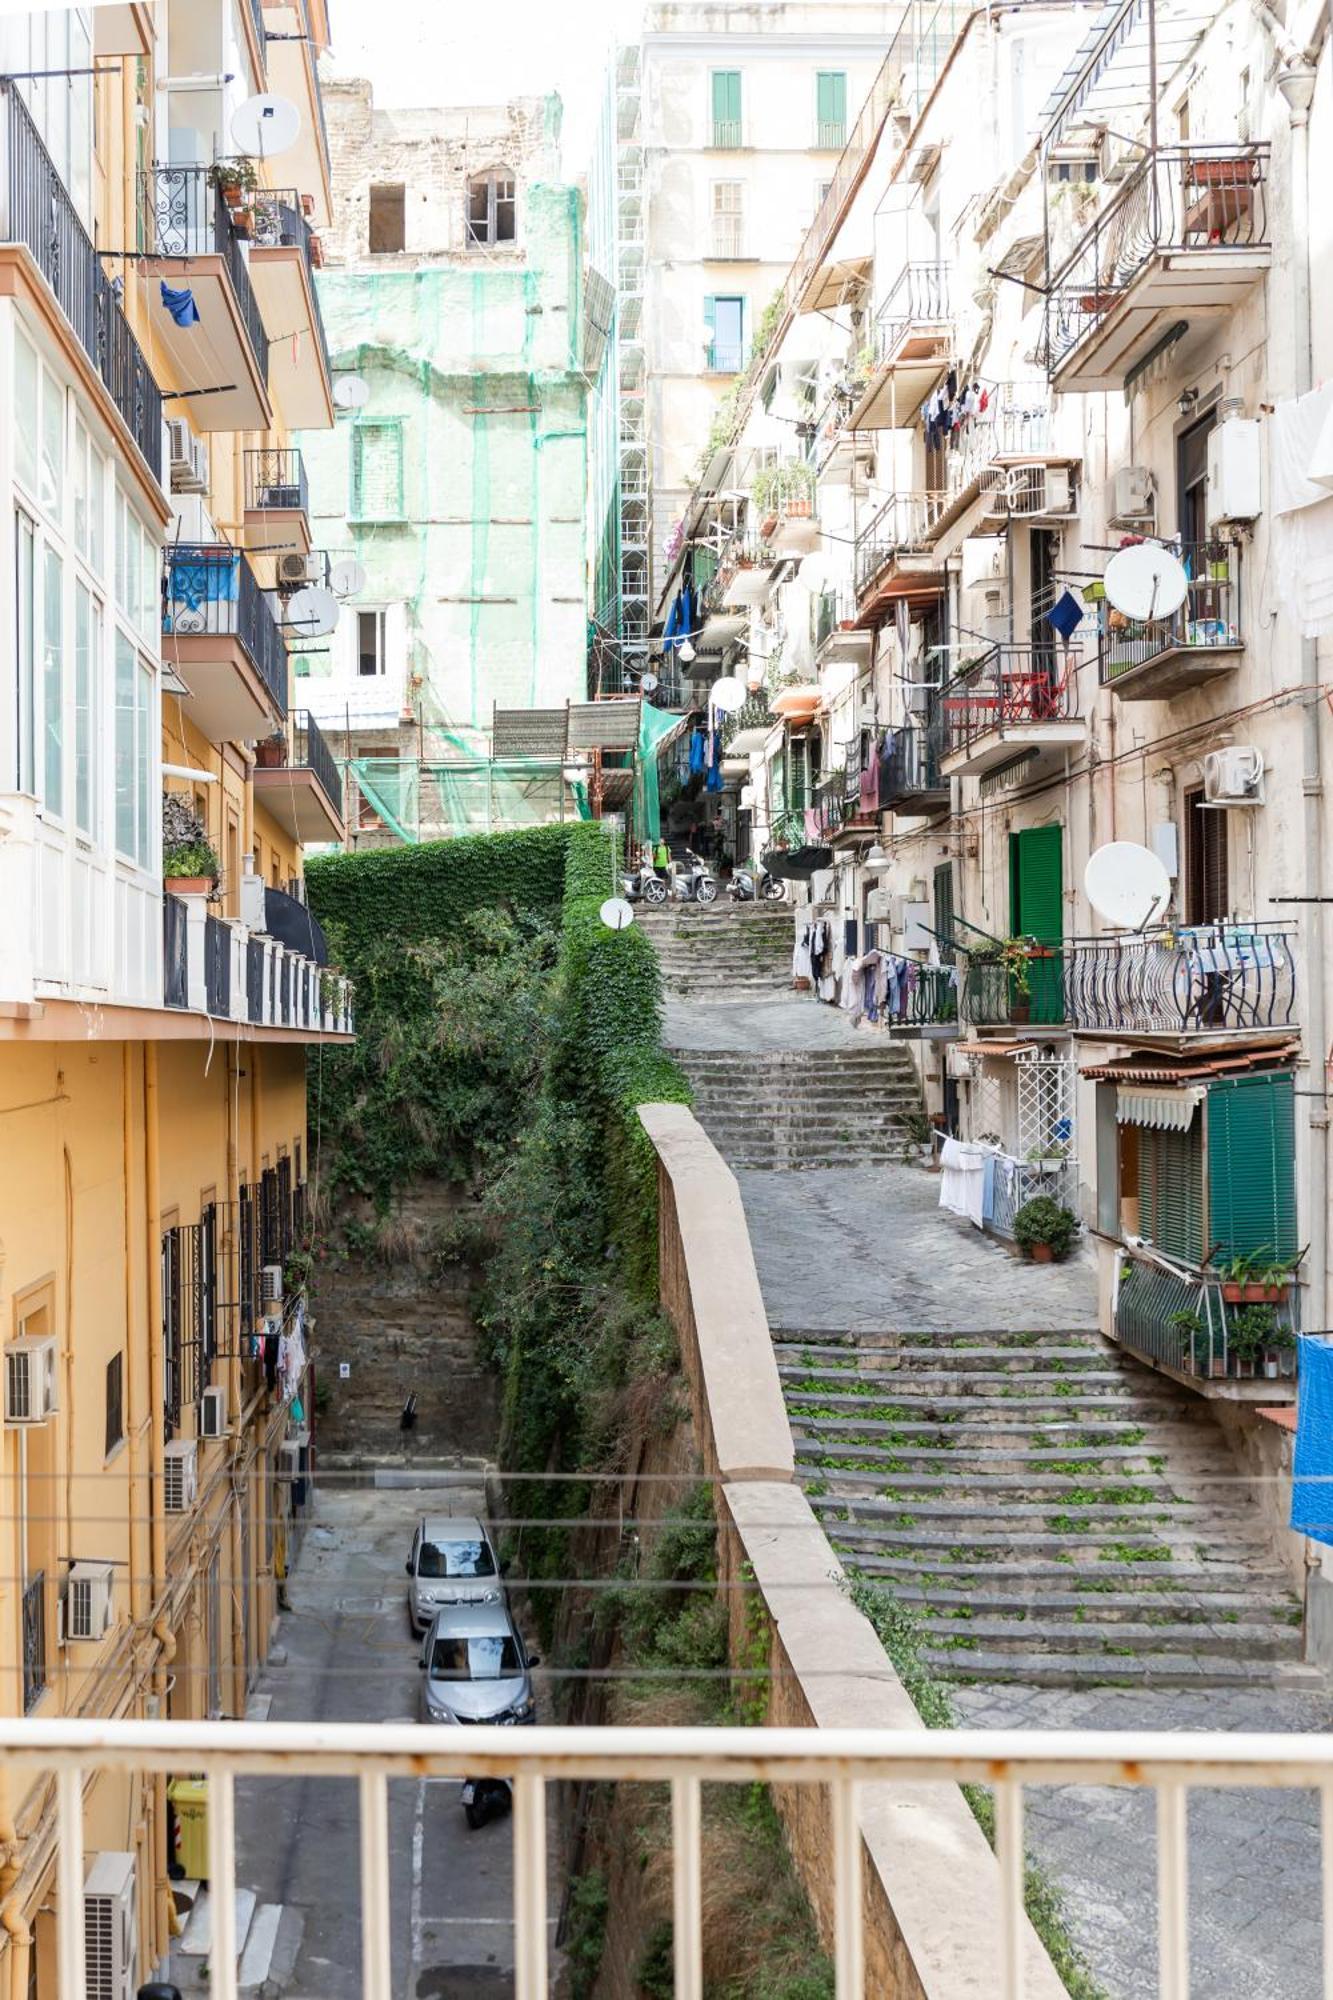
(1011, 686)
(276, 479)
(996, 992)
(728, 237)
(902, 526)
(217, 966)
(913, 764)
(175, 949)
(280, 219)
(34, 1641)
(211, 588)
(184, 215)
(835, 610)
(310, 751)
(1182, 198)
(922, 996)
(1204, 978)
(1209, 618)
(830, 134)
(919, 298)
(36, 211)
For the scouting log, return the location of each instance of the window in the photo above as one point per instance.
(25, 557)
(388, 220)
(27, 377)
(492, 212)
(115, 1402)
(726, 107)
(1036, 910)
(87, 669)
(89, 489)
(377, 471)
(369, 643)
(1171, 1209)
(831, 109)
(53, 682)
(724, 316)
(822, 191)
(137, 567)
(728, 218)
(1251, 1155)
(134, 710)
(1207, 889)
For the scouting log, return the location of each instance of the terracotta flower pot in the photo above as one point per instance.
(188, 885)
(1042, 1253)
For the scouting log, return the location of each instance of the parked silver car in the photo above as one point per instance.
(476, 1667)
(452, 1562)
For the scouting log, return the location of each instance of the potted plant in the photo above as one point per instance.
(1278, 1351)
(1253, 1279)
(1048, 1159)
(271, 754)
(1045, 1230)
(1217, 555)
(190, 866)
(1249, 1332)
(1015, 957)
(1190, 1326)
(235, 178)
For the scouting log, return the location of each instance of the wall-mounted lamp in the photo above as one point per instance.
(1188, 398)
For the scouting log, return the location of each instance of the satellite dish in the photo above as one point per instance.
(314, 610)
(648, 683)
(1146, 582)
(351, 392)
(263, 126)
(347, 577)
(186, 622)
(813, 572)
(616, 913)
(1127, 885)
(727, 694)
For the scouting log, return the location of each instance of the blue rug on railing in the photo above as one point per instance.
(1312, 1484)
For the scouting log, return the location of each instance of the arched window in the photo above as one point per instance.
(492, 213)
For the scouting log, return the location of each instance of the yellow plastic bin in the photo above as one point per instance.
(189, 1802)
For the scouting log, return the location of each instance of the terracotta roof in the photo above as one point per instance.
(1194, 1065)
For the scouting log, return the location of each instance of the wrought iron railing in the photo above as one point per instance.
(184, 215)
(1014, 989)
(189, 1314)
(310, 750)
(1199, 978)
(1209, 618)
(217, 966)
(36, 210)
(1181, 198)
(276, 479)
(835, 611)
(211, 588)
(912, 768)
(902, 526)
(175, 948)
(1007, 687)
(919, 297)
(923, 996)
(34, 1641)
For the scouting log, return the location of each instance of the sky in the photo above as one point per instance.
(420, 52)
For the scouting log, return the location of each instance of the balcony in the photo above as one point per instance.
(1015, 699)
(911, 345)
(1196, 980)
(1165, 656)
(837, 634)
(923, 1003)
(895, 558)
(1183, 240)
(36, 212)
(297, 782)
(911, 784)
(224, 642)
(782, 508)
(277, 502)
(232, 972)
(193, 242)
(282, 270)
(1179, 1319)
(1018, 988)
(293, 71)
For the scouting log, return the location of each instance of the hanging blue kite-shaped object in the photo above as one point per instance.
(180, 305)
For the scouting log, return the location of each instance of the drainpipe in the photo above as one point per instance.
(1296, 81)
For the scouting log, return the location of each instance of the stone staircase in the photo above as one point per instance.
(1056, 1515)
(824, 1107)
(720, 951)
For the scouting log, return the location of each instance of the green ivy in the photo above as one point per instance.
(422, 893)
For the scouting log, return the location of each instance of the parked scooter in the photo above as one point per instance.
(485, 1799)
(748, 887)
(645, 887)
(692, 883)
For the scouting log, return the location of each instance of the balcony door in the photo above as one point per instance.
(1207, 884)
(1036, 910)
(1192, 480)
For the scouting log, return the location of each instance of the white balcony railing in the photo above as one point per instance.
(220, 967)
(841, 1762)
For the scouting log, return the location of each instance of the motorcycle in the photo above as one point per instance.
(484, 1799)
(693, 883)
(745, 887)
(645, 887)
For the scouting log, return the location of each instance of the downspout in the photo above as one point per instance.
(1296, 81)
(157, 1520)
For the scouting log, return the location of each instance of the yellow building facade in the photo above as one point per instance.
(161, 983)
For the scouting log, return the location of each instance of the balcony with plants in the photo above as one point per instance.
(193, 223)
(285, 254)
(1155, 659)
(782, 507)
(297, 781)
(1015, 982)
(1013, 698)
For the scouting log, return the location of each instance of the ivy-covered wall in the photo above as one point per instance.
(412, 894)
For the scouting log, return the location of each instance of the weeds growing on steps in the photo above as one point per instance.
(900, 1634)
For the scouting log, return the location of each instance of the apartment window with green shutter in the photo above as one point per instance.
(1171, 1205)
(377, 471)
(726, 107)
(831, 109)
(724, 317)
(1036, 910)
(1252, 1168)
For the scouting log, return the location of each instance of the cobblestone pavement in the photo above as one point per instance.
(1253, 1855)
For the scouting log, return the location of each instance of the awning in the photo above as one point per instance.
(746, 741)
(1162, 1110)
(966, 523)
(799, 702)
(1185, 1066)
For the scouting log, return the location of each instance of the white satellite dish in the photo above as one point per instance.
(649, 683)
(351, 392)
(347, 577)
(727, 694)
(616, 913)
(1127, 885)
(264, 126)
(1146, 582)
(813, 573)
(314, 611)
(187, 622)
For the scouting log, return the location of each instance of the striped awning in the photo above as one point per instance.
(1164, 1110)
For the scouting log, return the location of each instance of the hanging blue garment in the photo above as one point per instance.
(675, 625)
(180, 305)
(1312, 1468)
(696, 752)
(713, 782)
(1066, 614)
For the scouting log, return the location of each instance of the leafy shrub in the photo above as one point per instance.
(1043, 1220)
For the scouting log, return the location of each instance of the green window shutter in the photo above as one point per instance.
(1252, 1167)
(1036, 883)
(726, 107)
(710, 321)
(831, 108)
(1171, 1208)
(1108, 1160)
(944, 911)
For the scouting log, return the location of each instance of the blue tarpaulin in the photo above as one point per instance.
(1312, 1486)
(180, 304)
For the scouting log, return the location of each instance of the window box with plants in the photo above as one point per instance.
(1044, 1230)
(237, 181)
(190, 866)
(1256, 1279)
(783, 493)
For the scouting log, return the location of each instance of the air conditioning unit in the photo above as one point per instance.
(1234, 776)
(88, 1600)
(110, 1928)
(295, 571)
(270, 1284)
(180, 1476)
(213, 1413)
(30, 1379)
(880, 906)
(1040, 492)
(189, 458)
(1130, 499)
(916, 696)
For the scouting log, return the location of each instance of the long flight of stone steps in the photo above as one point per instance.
(722, 952)
(1055, 1515)
(825, 1107)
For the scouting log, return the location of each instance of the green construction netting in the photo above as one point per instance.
(433, 800)
(655, 726)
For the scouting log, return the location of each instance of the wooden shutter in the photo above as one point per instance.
(831, 107)
(944, 911)
(1252, 1166)
(726, 107)
(1171, 1206)
(1208, 892)
(1036, 879)
(1108, 1160)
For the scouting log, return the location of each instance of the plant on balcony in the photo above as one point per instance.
(787, 489)
(189, 864)
(1192, 1330)
(271, 754)
(236, 179)
(1255, 1278)
(1045, 1230)
(1249, 1332)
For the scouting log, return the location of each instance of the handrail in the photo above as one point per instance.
(281, 223)
(1199, 978)
(276, 478)
(1011, 685)
(216, 586)
(901, 526)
